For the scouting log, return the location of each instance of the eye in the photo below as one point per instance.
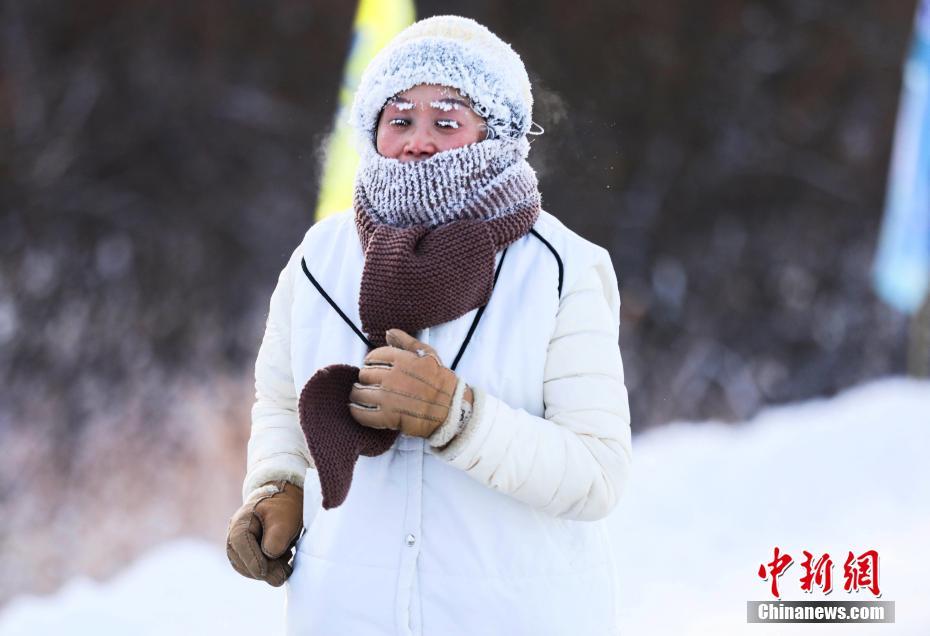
(399, 121)
(449, 124)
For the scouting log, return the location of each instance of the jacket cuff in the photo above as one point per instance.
(470, 438)
(294, 472)
(455, 420)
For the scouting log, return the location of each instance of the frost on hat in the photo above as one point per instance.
(449, 51)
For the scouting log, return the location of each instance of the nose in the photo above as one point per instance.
(420, 145)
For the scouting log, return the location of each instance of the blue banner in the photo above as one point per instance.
(902, 264)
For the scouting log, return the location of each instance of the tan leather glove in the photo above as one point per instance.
(263, 531)
(403, 386)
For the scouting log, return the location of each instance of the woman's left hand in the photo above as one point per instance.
(403, 386)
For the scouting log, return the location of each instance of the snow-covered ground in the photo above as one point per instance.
(707, 505)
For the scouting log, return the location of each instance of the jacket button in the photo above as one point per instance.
(411, 540)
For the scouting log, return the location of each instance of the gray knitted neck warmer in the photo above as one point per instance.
(484, 180)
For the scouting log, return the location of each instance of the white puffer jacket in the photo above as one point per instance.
(561, 447)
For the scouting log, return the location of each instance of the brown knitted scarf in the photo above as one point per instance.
(414, 277)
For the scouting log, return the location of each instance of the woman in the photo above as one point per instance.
(456, 481)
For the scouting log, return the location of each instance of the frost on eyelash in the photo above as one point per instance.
(447, 123)
(444, 106)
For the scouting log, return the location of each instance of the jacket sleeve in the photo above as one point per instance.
(277, 447)
(574, 462)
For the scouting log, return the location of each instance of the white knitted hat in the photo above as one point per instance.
(451, 51)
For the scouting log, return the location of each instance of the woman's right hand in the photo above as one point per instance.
(264, 530)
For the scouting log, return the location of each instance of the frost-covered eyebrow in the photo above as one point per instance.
(402, 104)
(447, 103)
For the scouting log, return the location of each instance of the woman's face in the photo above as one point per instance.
(426, 119)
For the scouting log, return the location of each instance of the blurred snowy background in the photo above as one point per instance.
(158, 161)
(708, 504)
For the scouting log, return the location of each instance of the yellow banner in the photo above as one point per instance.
(376, 22)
